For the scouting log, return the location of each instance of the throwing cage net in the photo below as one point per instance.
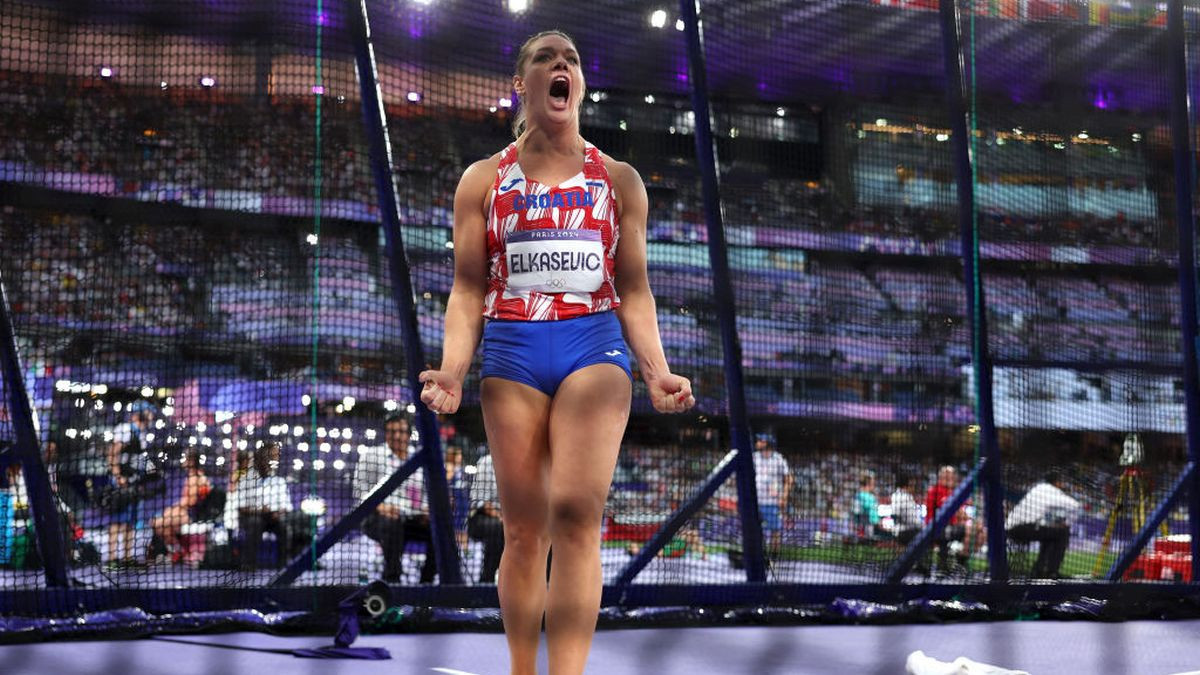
(204, 297)
(1079, 247)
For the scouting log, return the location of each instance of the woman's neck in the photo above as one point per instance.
(541, 141)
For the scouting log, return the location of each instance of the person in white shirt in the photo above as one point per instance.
(265, 505)
(241, 471)
(404, 514)
(484, 524)
(907, 515)
(1043, 515)
(773, 480)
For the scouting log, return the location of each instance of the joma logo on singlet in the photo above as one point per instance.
(559, 200)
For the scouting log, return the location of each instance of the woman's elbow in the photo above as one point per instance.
(638, 289)
(468, 293)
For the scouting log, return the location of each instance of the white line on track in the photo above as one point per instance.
(451, 671)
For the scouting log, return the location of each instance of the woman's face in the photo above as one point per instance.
(552, 85)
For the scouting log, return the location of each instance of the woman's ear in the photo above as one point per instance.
(519, 86)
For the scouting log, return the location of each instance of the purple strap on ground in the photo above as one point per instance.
(362, 653)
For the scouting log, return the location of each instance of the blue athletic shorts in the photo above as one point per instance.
(542, 354)
(771, 521)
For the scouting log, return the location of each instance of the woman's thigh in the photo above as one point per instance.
(587, 422)
(516, 417)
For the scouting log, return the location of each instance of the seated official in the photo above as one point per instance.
(907, 515)
(484, 524)
(404, 514)
(1043, 515)
(264, 504)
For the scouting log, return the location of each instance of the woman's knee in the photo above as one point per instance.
(525, 537)
(575, 515)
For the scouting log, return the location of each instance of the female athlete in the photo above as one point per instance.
(550, 248)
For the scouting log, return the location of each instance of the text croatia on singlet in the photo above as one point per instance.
(557, 200)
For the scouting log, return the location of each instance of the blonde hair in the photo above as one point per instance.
(518, 124)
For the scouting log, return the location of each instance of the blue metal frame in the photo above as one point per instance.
(46, 522)
(59, 598)
(960, 134)
(718, 255)
(715, 479)
(753, 595)
(449, 568)
(1181, 135)
(1189, 481)
(987, 473)
(73, 601)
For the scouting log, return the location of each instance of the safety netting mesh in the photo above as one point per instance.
(1078, 244)
(203, 293)
(195, 265)
(837, 188)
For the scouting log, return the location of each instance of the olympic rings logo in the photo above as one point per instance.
(556, 282)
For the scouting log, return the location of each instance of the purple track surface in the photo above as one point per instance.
(1040, 647)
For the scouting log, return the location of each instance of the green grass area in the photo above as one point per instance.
(848, 553)
(1076, 564)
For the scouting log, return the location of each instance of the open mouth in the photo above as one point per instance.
(560, 90)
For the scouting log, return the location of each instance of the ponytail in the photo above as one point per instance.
(518, 123)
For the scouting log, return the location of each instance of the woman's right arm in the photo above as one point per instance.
(464, 311)
(191, 492)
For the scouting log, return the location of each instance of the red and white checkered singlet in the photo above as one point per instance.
(551, 249)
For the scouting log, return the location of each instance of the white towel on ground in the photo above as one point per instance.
(920, 664)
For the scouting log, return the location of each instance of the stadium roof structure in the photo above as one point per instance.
(757, 49)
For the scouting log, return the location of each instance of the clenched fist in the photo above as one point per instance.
(442, 392)
(671, 393)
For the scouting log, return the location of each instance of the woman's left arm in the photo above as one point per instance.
(669, 393)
